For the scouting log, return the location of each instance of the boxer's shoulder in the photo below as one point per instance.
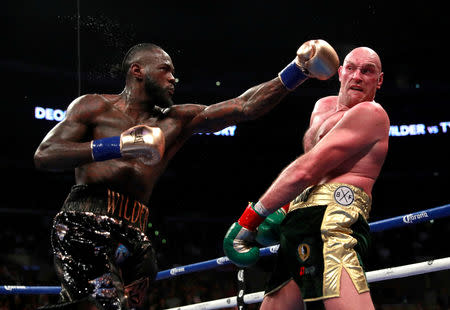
(370, 107)
(325, 104)
(95, 100)
(86, 106)
(326, 101)
(371, 116)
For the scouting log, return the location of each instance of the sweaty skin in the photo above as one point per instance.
(94, 116)
(145, 100)
(347, 142)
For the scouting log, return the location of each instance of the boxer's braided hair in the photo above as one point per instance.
(122, 69)
(129, 56)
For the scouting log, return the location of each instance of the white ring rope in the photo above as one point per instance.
(372, 276)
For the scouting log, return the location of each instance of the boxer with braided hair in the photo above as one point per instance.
(119, 145)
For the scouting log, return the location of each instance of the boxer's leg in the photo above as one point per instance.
(139, 271)
(85, 262)
(288, 297)
(349, 299)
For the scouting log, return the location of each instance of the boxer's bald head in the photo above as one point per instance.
(366, 53)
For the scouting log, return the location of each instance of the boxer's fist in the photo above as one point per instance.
(315, 59)
(318, 59)
(269, 231)
(239, 242)
(143, 142)
(238, 245)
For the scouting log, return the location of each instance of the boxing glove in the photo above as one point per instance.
(315, 59)
(141, 141)
(268, 232)
(239, 241)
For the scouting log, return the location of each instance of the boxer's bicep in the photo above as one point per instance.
(356, 132)
(64, 146)
(67, 131)
(74, 127)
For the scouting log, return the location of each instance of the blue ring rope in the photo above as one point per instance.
(398, 221)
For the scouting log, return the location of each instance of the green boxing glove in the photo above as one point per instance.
(268, 233)
(239, 242)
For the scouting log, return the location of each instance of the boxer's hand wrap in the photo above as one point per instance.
(141, 141)
(269, 231)
(315, 59)
(239, 240)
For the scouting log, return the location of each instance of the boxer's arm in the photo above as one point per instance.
(63, 147)
(315, 59)
(357, 132)
(252, 104)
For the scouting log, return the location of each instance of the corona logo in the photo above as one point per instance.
(177, 270)
(222, 260)
(411, 218)
(274, 248)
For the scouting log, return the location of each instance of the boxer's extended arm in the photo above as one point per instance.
(252, 104)
(357, 132)
(315, 59)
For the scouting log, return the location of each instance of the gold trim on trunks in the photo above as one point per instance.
(344, 205)
(338, 193)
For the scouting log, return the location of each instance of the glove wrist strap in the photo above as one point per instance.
(285, 208)
(106, 148)
(252, 217)
(292, 76)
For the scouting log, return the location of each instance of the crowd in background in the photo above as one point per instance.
(26, 259)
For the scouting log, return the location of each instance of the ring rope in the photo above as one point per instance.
(403, 220)
(372, 276)
(398, 221)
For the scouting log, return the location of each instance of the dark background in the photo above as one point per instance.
(53, 51)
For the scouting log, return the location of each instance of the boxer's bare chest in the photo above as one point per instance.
(127, 174)
(321, 124)
(117, 121)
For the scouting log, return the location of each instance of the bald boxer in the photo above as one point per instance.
(326, 192)
(119, 145)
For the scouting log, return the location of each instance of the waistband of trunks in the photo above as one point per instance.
(101, 200)
(345, 195)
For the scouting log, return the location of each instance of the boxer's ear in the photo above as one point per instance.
(380, 80)
(136, 71)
